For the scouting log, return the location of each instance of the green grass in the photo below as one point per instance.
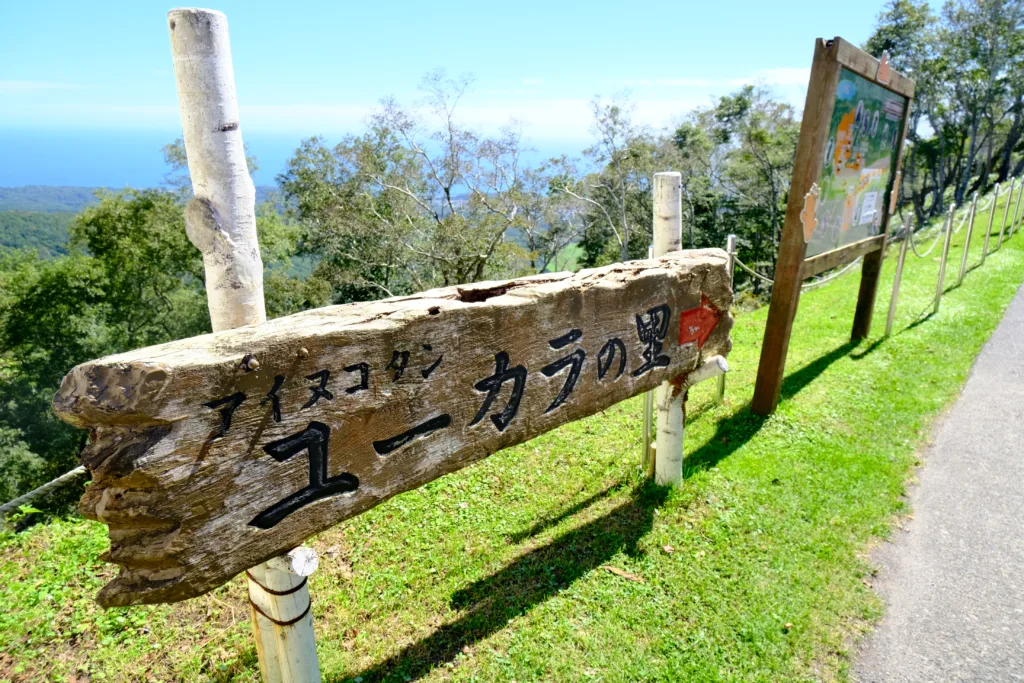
(755, 569)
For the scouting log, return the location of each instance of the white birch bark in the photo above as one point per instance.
(668, 236)
(221, 220)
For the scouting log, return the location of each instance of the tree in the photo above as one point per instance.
(759, 136)
(416, 201)
(618, 190)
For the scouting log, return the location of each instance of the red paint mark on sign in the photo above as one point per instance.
(695, 325)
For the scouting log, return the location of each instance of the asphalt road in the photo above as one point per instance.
(953, 583)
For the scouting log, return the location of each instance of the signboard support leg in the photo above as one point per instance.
(668, 235)
(967, 239)
(945, 256)
(221, 222)
(730, 249)
(899, 276)
(870, 273)
(1006, 213)
(991, 218)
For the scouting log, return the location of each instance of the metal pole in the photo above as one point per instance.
(646, 454)
(967, 239)
(899, 275)
(1016, 211)
(991, 218)
(945, 255)
(730, 250)
(668, 231)
(1006, 213)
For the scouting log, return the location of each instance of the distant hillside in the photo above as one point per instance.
(38, 216)
(51, 198)
(46, 198)
(44, 231)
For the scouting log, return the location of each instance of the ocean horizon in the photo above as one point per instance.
(118, 159)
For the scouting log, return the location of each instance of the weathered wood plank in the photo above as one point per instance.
(212, 454)
(842, 255)
(855, 59)
(821, 94)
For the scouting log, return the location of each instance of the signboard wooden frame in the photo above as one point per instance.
(831, 57)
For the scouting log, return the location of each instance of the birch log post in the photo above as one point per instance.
(221, 219)
(948, 226)
(221, 222)
(1016, 210)
(991, 220)
(730, 250)
(1006, 213)
(668, 236)
(967, 239)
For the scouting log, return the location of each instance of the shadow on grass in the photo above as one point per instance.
(488, 604)
(550, 521)
(738, 429)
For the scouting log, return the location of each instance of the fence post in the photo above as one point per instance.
(967, 239)
(730, 250)
(646, 454)
(1006, 213)
(945, 255)
(1016, 210)
(221, 222)
(991, 218)
(668, 231)
(908, 229)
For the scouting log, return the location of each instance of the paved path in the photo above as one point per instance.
(953, 584)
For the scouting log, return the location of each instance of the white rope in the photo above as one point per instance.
(753, 272)
(42, 490)
(834, 275)
(809, 285)
(929, 250)
(963, 222)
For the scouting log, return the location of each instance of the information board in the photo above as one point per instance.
(857, 166)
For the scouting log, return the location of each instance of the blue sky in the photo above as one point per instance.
(87, 91)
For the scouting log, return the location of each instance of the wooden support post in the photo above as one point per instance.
(967, 239)
(899, 276)
(221, 223)
(991, 218)
(280, 597)
(945, 255)
(730, 250)
(1006, 213)
(821, 95)
(1017, 208)
(668, 235)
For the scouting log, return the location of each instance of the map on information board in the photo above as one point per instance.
(857, 165)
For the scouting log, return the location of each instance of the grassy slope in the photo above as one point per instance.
(753, 570)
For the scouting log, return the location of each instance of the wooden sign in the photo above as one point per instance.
(851, 143)
(212, 454)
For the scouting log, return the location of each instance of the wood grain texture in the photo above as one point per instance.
(821, 95)
(855, 59)
(191, 447)
(837, 257)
